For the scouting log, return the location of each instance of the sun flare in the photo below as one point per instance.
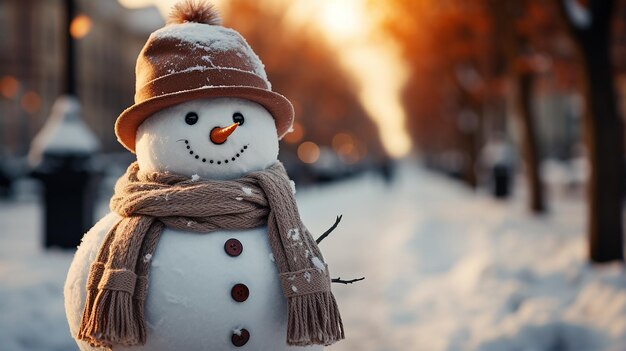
(374, 64)
(341, 17)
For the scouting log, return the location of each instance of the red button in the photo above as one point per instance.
(241, 339)
(233, 247)
(240, 292)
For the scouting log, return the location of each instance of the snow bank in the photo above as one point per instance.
(32, 316)
(448, 270)
(213, 39)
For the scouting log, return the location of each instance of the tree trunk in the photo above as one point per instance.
(605, 140)
(514, 48)
(604, 133)
(471, 179)
(469, 147)
(530, 149)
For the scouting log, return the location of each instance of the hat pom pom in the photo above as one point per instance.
(198, 11)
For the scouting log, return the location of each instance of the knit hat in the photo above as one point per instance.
(194, 57)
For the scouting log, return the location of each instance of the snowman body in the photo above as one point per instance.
(190, 303)
(207, 291)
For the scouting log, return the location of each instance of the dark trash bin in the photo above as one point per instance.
(501, 181)
(6, 180)
(69, 190)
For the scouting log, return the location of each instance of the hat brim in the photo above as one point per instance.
(129, 121)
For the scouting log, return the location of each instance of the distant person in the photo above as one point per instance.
(386, 169)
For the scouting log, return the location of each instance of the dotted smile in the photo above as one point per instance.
(212, 161)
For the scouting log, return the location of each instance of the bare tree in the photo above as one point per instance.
(590, 29)
(517, 53)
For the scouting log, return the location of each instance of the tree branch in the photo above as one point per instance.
(326, 233)
(339, 280)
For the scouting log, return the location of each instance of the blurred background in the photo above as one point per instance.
(475, 148)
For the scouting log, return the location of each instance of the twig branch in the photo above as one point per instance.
(339, 280)
(326, 233)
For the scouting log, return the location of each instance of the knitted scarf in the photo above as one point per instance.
(148, 202)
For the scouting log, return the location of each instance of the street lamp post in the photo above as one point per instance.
(70, 49)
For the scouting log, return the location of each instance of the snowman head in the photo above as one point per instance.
(219, 138)
(201, 97)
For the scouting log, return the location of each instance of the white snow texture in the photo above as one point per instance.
(445, 270)
(64, 132)
(213, 39)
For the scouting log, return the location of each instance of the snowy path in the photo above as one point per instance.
(446, 270)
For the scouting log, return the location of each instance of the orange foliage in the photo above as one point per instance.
(459, 56)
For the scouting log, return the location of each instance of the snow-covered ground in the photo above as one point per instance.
(446, 270)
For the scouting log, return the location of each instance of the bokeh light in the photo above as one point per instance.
(80, 26)
(9, 87)
(31, 102)
(346, 148)
(296, 134)
(308, 152)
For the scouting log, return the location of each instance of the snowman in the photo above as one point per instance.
(204, 248)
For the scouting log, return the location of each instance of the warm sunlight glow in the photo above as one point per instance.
(374, 64)
(382, 80)
(370, 58)
(80, 26)
(340, 18)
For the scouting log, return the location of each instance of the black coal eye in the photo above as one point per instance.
(238, 118)
(191, 118)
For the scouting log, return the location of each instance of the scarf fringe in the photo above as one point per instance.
(113, 320)
(314, 319)
(85, 332)
(139, 310)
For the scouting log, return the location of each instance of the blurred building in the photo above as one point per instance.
(32, 49)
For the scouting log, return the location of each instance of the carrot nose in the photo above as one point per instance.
(219, 135)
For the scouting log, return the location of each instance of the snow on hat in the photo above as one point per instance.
(194, 57)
